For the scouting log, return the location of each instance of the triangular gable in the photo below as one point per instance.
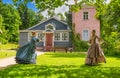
(39, 24)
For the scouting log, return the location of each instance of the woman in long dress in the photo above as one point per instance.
(26, 54)
(95, 54)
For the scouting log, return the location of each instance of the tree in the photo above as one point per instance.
(23, 12)
(1, 20)
(11, 22)
(28, 16)
(49, 6)
(34, 17)
(114, 14)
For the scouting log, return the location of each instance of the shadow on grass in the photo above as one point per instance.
(67, 55)
(62, 71)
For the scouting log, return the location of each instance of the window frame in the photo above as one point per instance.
(84, 37)
(55, 37)
(41, 35)
(61, 37)
(85, 15)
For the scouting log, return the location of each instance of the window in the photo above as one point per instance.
(41, 36)
(30, 36)
(64, 36)
(57, 36)
(85, 15)
(50, 27)
(85, 35)
(61, 36)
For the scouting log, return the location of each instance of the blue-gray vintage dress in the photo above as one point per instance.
(26, 54)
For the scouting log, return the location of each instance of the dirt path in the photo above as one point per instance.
(11, 61)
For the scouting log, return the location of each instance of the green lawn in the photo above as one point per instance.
(63, 65)
(6, 54)
(6, 50)
(8, 46)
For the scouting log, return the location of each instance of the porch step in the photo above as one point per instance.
(48, 48)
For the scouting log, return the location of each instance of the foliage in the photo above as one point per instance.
(49, 5)
(79, 45)
(34, 17)
(1, 28)
(61, 16)
(28, 16)
(63, 65)
(108, 14)
(20, 16)
(111, 44)
(10, 24)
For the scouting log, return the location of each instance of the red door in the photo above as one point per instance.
(49, 41)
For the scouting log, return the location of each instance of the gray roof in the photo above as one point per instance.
(59, 25)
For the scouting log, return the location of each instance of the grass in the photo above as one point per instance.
(6, 50)
(7, 54)
(62, 65)
(8, 46)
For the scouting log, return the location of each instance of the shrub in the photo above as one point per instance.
(111, 45)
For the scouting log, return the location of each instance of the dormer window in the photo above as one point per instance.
(50, 27)
(85, 15)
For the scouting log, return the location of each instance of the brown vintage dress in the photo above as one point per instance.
(95, 54)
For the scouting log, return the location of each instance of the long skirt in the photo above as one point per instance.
(95, 55)
(26, 54)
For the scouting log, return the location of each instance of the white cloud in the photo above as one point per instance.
(61, 9)
(64, 8)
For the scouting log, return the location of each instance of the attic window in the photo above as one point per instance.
(50, 27)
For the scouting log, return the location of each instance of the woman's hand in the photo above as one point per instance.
(40, 40)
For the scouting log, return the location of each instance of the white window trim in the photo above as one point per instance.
(50, 25)
(43, 39)
(67, 36)
(83, 35)
(61, 37)
(83, 15)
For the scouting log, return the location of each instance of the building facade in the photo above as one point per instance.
(85, 21)
(52, 33)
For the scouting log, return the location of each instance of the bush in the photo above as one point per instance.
(111, 45)
(80, 45)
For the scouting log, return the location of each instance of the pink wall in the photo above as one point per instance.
(90, 24)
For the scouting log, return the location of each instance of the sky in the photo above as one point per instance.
(61, 9)
(30, 4)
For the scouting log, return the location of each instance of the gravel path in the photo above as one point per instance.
(11, 61)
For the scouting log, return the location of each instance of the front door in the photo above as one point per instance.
(49, 41)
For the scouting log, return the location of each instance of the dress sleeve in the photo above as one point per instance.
(90, 40)
(98, 38)
(37, 40)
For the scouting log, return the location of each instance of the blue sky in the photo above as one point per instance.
(30, 4)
